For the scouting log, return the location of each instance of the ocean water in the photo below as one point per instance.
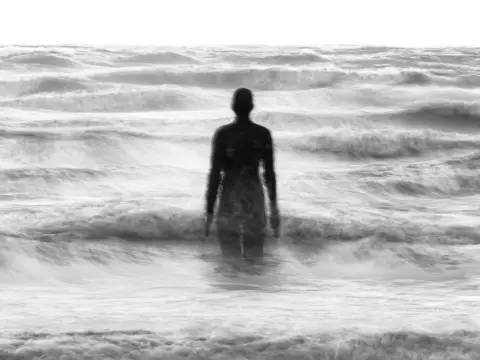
(104, 155)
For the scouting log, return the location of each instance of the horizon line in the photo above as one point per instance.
(180, 45)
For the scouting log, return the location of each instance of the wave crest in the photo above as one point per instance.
(42, 85)
(120, 101)
(381, 143)
(172, 225)
(282, 77)
(257, 79)
(52, 174)
(454, 111)
(41, 58)
(142, 344)
(301, 58)
(432, 181)
(414, 78)
(158, 58)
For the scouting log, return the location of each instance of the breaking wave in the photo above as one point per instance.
(282, 78)
(158, 58)
(455, 112)
(41, 58)
(144, 344)
(305, 57)
(171, 224)
(47, 84)
(382, 143)
(443, 178)
(119, 101)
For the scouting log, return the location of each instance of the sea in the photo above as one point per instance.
(104, 156)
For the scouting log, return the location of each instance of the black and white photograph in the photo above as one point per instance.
(239, 179)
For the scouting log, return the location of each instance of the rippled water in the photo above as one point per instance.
(104, 155)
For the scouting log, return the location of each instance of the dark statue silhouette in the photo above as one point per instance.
(238, 151)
